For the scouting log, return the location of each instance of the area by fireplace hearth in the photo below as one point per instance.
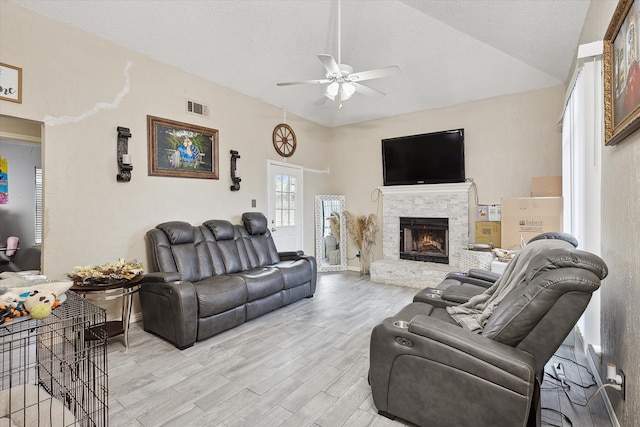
(424, 239)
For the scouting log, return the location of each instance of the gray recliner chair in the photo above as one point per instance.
(428, 369)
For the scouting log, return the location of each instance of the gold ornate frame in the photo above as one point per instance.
(181, 149)
(622, 73)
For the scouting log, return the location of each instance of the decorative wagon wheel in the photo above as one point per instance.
(284, 140)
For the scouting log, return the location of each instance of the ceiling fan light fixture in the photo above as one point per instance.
(332, 90)
(347, 90)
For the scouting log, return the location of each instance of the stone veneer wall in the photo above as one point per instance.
(431, 201)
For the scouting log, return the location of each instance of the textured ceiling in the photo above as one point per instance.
(449, 51)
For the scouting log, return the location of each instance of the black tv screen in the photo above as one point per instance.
(430, 158)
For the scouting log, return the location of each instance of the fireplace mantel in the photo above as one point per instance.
(456, 187)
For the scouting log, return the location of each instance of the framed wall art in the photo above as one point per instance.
(181, 150)
(10, 83)
(622, 73)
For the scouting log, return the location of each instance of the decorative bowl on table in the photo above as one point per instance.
(108, 274)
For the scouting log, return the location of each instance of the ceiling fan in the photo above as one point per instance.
(340, 79)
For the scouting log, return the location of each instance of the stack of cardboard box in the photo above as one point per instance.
(513, 223)
(525, 217)
(488, 225)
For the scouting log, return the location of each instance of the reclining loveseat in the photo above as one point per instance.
(213, 277)
(476, 363)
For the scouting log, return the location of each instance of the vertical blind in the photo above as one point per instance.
(38, 185)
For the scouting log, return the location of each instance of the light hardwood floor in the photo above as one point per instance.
(302, 365)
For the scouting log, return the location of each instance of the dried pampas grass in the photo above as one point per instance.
(362, 230)
(334, 224)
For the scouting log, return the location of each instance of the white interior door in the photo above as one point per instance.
(285, 205)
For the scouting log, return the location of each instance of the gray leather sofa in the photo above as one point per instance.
(213, 277)
(427, 369)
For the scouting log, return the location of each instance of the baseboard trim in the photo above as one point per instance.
(136, 317)
(590, 353)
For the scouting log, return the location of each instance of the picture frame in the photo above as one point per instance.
(10, 83)
(178, 149)
(621, 47)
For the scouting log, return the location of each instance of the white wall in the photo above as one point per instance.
(508, 140)
(83, 88)
(620, 293)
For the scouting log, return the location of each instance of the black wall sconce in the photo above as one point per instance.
(234, 176)
(124, 158)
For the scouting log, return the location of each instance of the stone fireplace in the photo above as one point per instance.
(435, 201)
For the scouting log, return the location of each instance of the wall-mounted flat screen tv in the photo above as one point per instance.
(430, 158)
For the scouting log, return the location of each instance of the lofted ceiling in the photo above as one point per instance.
(449, 51)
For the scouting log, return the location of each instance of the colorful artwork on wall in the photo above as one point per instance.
(4, 181)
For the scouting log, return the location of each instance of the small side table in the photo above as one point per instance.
(108, 292)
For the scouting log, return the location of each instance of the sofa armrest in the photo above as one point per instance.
(473, 278)
(290, 255)
(299, 255)
(170, 309)
(161, 277)
(485, 275)
(501, 356)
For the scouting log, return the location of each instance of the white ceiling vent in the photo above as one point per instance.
(197, 108)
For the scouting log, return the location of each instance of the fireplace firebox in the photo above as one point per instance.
(424, 239)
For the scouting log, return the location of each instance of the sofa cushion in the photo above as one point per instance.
(261, 249)
(228, 246)
(295, 272)
(524, 307)
(262, 282)
(254, 222)
(179, 247)
(220, 293)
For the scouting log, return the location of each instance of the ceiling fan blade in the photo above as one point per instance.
(321, 100)
(368, 91)
(303, 82)
(330, 64)
(375, 74)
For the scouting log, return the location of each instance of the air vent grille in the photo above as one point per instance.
(197, 108)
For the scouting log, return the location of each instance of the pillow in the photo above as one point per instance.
(56, 288)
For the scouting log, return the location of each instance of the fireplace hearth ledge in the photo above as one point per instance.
(411, 274)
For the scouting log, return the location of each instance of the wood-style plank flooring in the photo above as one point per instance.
(302, 365)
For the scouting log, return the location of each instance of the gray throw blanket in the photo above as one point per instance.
(474, 313)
